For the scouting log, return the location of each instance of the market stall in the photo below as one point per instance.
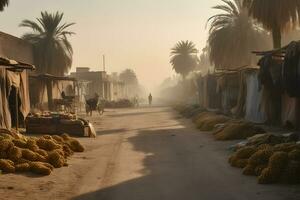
(53, 93)
(54, 123)
(14, 93)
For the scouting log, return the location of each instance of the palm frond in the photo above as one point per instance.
(52, 50)
(233, 35)
(3, 3)
(183, 57)
(31, 24)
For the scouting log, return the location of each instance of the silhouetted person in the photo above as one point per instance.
(136, 101)
(150, 99)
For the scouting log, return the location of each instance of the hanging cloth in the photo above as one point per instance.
(5, 117)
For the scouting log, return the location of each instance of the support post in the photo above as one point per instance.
(17, 109)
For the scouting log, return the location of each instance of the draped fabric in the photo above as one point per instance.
(24, 93)
(254, 112)
(228, 88)
(239, 109)
(5, 117)
(270, 78)
(291, 70)
(19, 80)
(214, 98)
(290, 111)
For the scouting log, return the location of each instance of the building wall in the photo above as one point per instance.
(15, 48)
(96, 82)
(100, 82)
(118, 90)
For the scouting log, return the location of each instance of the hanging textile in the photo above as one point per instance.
(291, 70)
(5, 117)
(254, 112)
(19, 80)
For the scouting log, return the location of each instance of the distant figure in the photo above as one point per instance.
(136, 101)
(150, 99)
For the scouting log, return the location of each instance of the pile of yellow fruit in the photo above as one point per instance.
(270, 163)
(38, 155)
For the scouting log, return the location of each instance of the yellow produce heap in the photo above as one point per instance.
(206, 121)
(223, 126)
(37, 155)
(270, 163)
(236, 130)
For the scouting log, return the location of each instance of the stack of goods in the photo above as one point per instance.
(224, 127)
(189, 111)
(206, 121)
(60, 115)
(269, 160)
(55, 123)
(236, 130)
(123, 103)
(19, 154)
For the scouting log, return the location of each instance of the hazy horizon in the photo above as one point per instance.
(132, 34)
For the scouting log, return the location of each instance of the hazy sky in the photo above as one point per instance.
(135, 34)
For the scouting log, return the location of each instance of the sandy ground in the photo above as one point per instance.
(145, 154)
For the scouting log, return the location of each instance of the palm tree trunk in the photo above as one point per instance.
(276, 33)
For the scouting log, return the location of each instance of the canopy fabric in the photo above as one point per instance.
(24, 93)
(254, 112)
(228, 88)
(13, 79)
(19, 80)
(5, 117)
(290, 112)
(40, 94)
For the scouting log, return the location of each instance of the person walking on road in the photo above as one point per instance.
(150, 99)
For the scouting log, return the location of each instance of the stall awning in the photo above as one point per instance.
(8, 63)
(52, 77)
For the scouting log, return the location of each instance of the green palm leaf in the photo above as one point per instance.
(184, 57)
(3, 3)
(52, 51)
(275, 15)
(233, 35)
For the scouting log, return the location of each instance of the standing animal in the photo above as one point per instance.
(94, 104)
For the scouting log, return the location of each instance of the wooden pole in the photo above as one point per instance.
(50, 95)
(17, 109)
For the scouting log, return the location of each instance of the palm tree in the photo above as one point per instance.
(129, 77)
(52, 50)
(3, 3)
(184, 57)
(233, 35)
(275, 15)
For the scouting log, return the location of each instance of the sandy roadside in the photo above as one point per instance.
(145, 154)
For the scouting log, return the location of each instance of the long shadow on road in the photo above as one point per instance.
(181, 164)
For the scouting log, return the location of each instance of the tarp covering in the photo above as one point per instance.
(39, 95)
(19, 80)
(290, 107)
(228, 88)
(254, 111)
(214, 98)
(5, 118)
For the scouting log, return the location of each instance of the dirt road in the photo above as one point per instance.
(146, 154)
